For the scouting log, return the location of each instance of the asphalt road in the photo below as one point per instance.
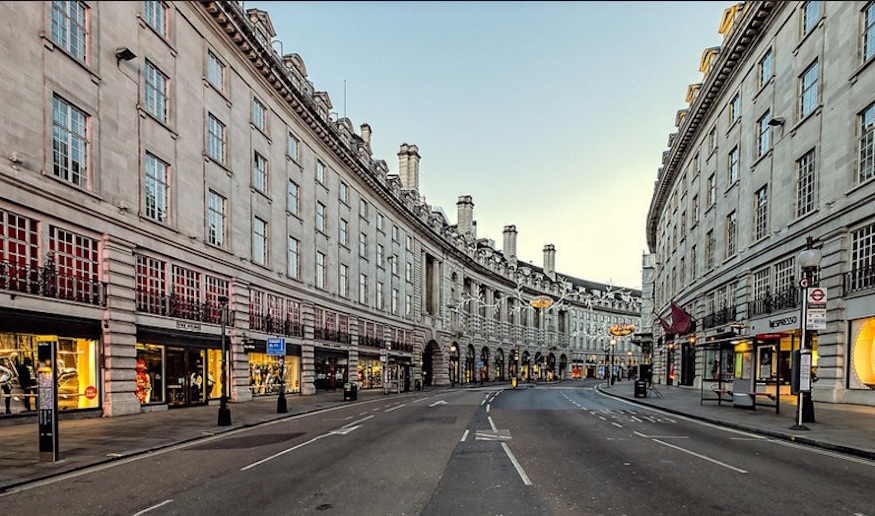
(539, 450)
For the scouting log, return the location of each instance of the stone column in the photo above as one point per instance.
(308, 355)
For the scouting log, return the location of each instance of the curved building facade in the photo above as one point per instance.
(773, 155)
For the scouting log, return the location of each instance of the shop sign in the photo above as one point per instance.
(276, 346)
(815, 319)
(185, 325)
(771, 336)
(90, 392)
(784, 321)
(47, 357)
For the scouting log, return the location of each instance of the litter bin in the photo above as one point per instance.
(640, 389)
(513, 382)
(417, 384)
(350, 391)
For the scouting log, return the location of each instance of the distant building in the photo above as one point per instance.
(170, 178)
(775, 147)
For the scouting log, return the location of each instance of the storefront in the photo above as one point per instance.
(862, 354)
(369, 372)
(78, 374)
(330, 368)
(266, 372)
(177, 369)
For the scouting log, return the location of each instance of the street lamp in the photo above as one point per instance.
(613, 343)
(809, 261)
(224, 411)
(453, 360)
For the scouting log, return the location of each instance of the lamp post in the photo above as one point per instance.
(809, 261)
(606, 349)
(613, 343)
(453, 365)
(224, 411)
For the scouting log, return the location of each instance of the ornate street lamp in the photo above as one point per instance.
(809, 262)
(224, 411)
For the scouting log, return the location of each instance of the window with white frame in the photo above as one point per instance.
(863, 258)
(682, 271)
(259, 115)
(379, 292)
(259, 241)
(69, 30)
(69, 142)
(380, 255)
(408, 271)
(732, 165)
(155, 14)
(395, 301)
(395, 233)
(868, 43)
(409, 243)
(215, 139)
(712, 190)
(867, 144)
(761, 283)
(292, 206)
(343, 229)
(216, 219)
(343, 193)
(784, 275)
(259, 172)
(320, 269)
(709, 250)
(693, 262)
(810, 15)
(363, 208)
(761, 213)
(806, 184)
(763, 134)
(712, 144)
(394, 264)
(215, 71)
(363, 245)
(156, 189)
(408, 306)
(734, 109)
(151, 284)
(344, 281)
(765, 68)
(320, 171)
(695, 209)
(155, 92)
(808, 90)
(731, 234)
(19, 246)
(320, 217)
(363, 290)
(294, 262)
(380, 221)
(294, 145)
(76, 260)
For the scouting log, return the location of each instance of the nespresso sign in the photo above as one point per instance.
(784, 321)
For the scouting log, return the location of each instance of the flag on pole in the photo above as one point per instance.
(666, 327)
(681, 321)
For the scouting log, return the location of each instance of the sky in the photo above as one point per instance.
(552, 116)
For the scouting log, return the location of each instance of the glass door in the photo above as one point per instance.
(176, 377)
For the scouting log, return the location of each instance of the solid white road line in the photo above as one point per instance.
(396, 407)
(491, 423)
(618, 425)
(150, 509)
(487, 408)
(709, 459)
(519, 469)
(464, 436)
(275, 455)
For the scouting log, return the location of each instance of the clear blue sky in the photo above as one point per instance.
(553, 116)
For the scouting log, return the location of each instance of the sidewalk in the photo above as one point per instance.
(839, 427)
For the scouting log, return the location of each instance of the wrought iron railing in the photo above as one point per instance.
(783, 299)
(275, 325)
(861, 278)
(171, 305)
(48, 281)
(719, 318)
(332, 335)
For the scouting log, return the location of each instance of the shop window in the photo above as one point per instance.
(862, 354)
(150, 374)
(266, 374)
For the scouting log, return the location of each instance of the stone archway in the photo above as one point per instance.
(483, 374)
(431, 356)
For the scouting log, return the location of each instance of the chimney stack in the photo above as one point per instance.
(550, 261)
(366, 134)
(509, 246)
(408, 166)
(465, 217)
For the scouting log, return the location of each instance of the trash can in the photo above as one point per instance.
(417, 384)
(350, 391)
(640, 389)
(513, 382)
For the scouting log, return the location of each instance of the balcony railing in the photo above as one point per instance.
(47, 281)
(275, 325)
(719, 318)
(861, 278)
(781, 300)
(173, 306)
(332, 335)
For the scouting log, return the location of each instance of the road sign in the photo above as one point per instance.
(805, 282)
(816, 297)
(276, 346)
(815, 319)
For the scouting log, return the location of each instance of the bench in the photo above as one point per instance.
(755, 395)
(720, 392)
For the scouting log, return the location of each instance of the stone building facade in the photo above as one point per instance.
(171, 183)
(773, 155)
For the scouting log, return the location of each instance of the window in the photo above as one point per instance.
(155, 14)
(293, 198)
(69, 142)
(395, 233)
(259, 241)
(320, 270)
(765, 67)
(77, 264)
(151, 284)
(293, 147)
(363, 290)
(408, 307)
(363, 245)
(380, 301)
(394, 264)
(155, 92)
(683, 224)
(693, 263)
(320, 172)
(867, 143)
(363, 208)
(734, 109)
(215, 139)
(294, 262)
(343, 193)
(695, 210)
(806, 184)
(320, 217)
(216, 219)
(409, 243)
(709, 250)
(810, 15)
(380, 255)
(869, 32)
(380, 221)
(259, 173)
(808, 90)
(395, 301)
(19, 248)
(344, 281)
(156, 190)
(784, 278)
(344, 233)
(763, 133)
(761, 281)
(863, 258)
(732, 165)
(712, 190)
(259, 115)
(215, 72)
(712, 142)
(68, 27)
(408, 271)
(761, 213)
(731, 234)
